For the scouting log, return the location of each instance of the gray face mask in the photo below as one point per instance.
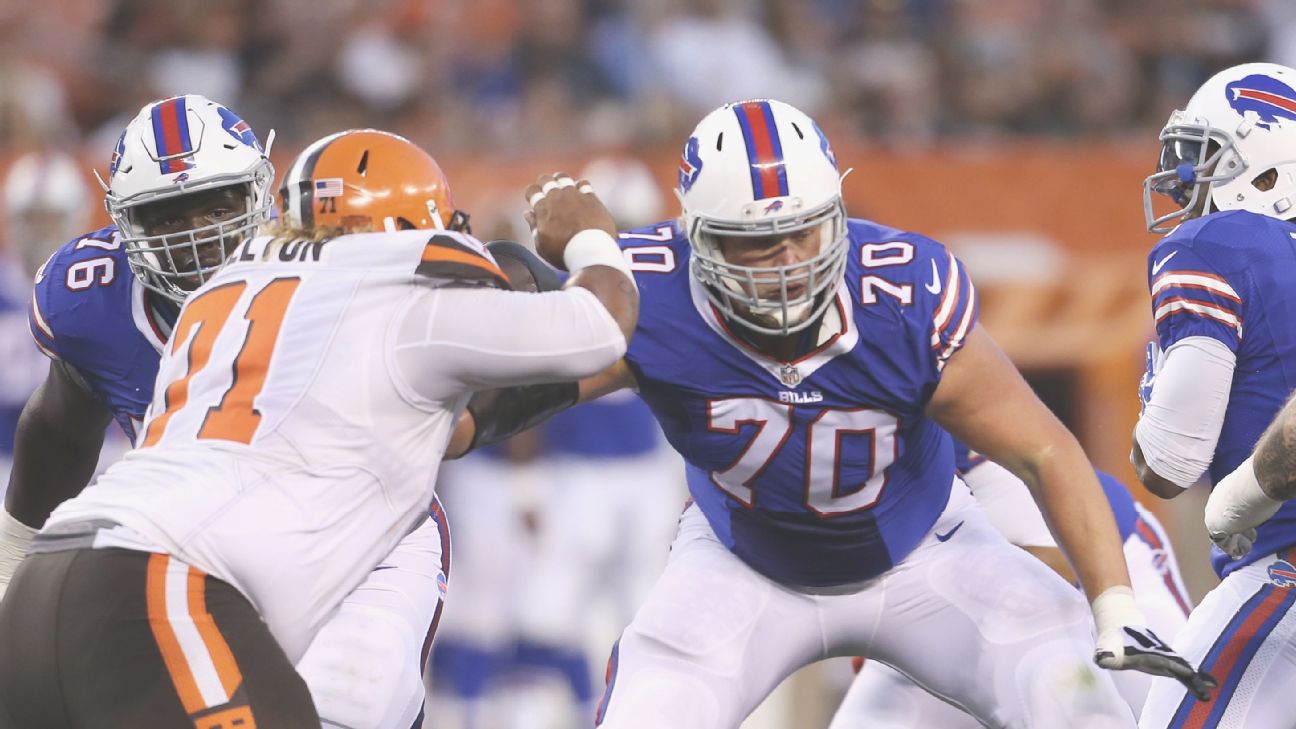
(1188, 166)
(779, 300)
(174, 264)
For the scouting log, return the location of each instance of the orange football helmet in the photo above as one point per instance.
(366, 179)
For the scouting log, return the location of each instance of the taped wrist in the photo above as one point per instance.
(15, 538)
(503, 413)
(1238, 503)
(1116, 608)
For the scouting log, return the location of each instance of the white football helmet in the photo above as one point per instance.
(180, 146)
(763, 168)
(1224, 149)
(45, 200)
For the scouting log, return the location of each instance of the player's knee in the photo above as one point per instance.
(363, 672)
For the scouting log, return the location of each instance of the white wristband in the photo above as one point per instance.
(15, 537)
(594, 247)
(1115, 608)
(1237, 502)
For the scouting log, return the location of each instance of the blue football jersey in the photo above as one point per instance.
(824, 470)
(619, 425)
(1231, 276)
(1118, 495)
(88, 311)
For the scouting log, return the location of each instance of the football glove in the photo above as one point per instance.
(1137, 648)
(1152, 365)
(1235, 546)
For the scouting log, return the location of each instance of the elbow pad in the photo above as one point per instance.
(503, 413)
(526, 270)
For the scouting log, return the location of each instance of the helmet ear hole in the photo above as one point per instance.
(1265, 181)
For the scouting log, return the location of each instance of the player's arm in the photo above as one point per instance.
(56, 446)
(1257, 488)
(496, 415)
(983, 401)
(56, 449)
(1012, 511)
(1199, 314)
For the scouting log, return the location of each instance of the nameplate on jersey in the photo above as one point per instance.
(281, 250)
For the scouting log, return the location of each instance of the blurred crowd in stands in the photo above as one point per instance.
(514, 75)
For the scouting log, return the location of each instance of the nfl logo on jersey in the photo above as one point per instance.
(789, 375)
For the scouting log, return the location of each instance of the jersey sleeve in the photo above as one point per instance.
(451, 257)
(949, 300)
(455, 340)
(1190, 298)
(39, 309)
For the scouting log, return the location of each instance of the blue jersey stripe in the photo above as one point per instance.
(764, 149)
(1232, 654)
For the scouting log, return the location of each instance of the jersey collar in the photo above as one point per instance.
(151, 322)
(838, 335)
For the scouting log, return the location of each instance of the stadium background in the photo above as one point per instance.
(1016, 131)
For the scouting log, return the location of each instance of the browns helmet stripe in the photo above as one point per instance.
(298, 190)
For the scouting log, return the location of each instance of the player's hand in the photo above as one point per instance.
(560, 208)
(1136, 648)
(1234, 545)
(1155, 358)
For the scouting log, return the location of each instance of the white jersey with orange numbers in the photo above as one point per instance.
(305, 400)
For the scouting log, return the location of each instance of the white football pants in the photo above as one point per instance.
(972, 619)
(364, 668)
(882, 698)
(1244, 634)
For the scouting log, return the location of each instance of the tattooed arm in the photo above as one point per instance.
(1257, 488)
(1274, 459)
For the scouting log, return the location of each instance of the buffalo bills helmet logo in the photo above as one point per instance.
(115, 161)
(1282, 574)
(238, 128)
(773, 207)
(690, 165)
(825, 147)
(1268, 97)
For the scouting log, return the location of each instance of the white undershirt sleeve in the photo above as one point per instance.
(1180, 427)
(452, 340)
(1008, 503)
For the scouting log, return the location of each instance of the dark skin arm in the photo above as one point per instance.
(1151, 481)
(56, 447)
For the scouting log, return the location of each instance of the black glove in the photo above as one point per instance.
(1136, 648)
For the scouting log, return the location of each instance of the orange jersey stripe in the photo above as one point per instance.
(172, 655)
(226, 667)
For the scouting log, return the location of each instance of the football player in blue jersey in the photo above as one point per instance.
(807, 366)
(189, 180)
(1223, 285)
(185, 175)
(882, 698)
